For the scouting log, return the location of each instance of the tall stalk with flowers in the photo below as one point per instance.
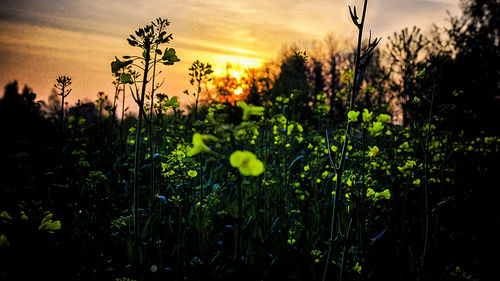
(361, 64)
(149, 40)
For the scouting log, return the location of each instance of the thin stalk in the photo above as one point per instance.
(237, 240)
(150, 141)
(426, 180)
(240, 216)
(179, 238)
(181, 229)
(200, 208)
(113, 119)
(62, 109)
(138, 150)
(121, 123)
(343, 252)
(340, 171)
(198, 91)
(363, 190)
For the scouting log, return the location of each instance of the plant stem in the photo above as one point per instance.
(62, 108)
(147, 48)
(340, 171)
(121, 123)
(426, 180)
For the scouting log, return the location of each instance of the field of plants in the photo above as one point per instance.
(378, 162)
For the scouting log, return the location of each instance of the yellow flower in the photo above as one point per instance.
(367, 115)
(416, 182)
(349, 182)
(24, 217)
(49, 225)
(357, 268)
(373, 151)
(408, 165)
(5, 216)
(384, 118)
(335, 178)
(353, 116)
(370, 192)
(4, 242)
(249, 110)
(192, 173)
(199, 145)
(386, 194)
(376, 128)
(405, 146)
(247, 163)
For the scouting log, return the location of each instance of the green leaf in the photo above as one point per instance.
(126, 78)
(169, 57)
(166, 39)
(117, 65)
(127, 63)
(132, 42)
(173, 102)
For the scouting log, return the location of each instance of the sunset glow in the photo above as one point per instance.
(238, 91)
(80, 38)
(232, 84)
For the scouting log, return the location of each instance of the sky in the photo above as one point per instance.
(43, 39)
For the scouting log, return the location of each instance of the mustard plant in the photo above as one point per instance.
(200, 73)
(361, 64)
(62, 84)
(149, 40)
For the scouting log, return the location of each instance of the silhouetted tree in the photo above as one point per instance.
(27, 141)
(293, 76)
(406, 51)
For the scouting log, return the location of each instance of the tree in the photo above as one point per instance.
(406, 52)
(27, 138)
(293, 77)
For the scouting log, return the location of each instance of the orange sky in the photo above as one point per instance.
(40, 40)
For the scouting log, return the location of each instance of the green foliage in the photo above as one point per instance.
(169, 57)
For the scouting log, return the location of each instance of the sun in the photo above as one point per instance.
(238, 91)
(233, 84)
(235, 70)
(236, 63)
